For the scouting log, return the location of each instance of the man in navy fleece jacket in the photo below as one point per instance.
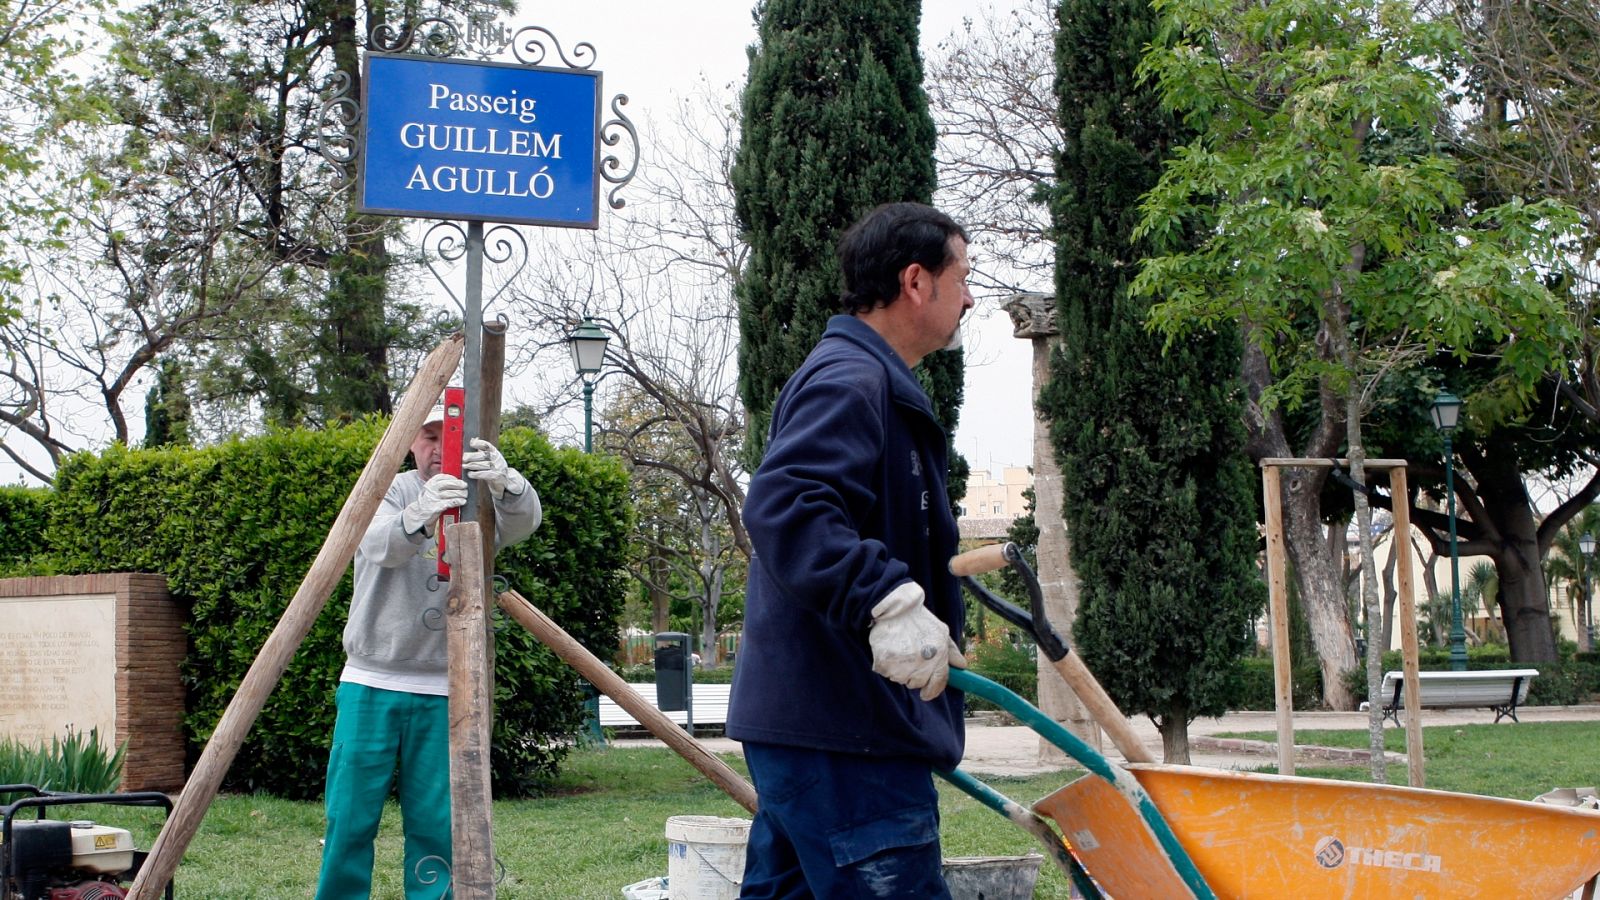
(852, 618)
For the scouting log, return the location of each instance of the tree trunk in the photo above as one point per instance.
(1320, 582)
(1391, 592)
(1513, 543)
(660, 601)
(1369, 588)
(1174, 740)
(353, 368)
(1525, 610)
(709, 646)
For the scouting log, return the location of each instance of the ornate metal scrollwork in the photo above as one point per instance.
(485, 37)
(501, 244)
(433, 36)
(430, 869)
(611, 134)
(449, 242)
(528, 45)
(338, 119)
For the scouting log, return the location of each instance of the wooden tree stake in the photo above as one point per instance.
(590, 667)
(471, 812)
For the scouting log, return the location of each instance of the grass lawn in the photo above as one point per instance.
(600, 826)
(597, 829)
(1515, 760)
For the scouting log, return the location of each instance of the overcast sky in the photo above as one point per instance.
(657, 50)
(653, 51)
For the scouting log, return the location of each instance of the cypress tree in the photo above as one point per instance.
(1159, 495)
(167, 408)
(835, 121)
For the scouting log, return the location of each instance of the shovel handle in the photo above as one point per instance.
(979, 561)
(1066, 663)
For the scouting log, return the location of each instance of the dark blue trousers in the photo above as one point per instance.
(835, 825)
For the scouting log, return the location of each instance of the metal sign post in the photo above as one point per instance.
(438, 136)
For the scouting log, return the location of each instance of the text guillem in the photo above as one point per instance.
(491, 141)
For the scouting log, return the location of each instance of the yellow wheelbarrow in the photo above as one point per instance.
(1147, 830)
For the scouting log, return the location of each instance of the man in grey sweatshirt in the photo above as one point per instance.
(392, 720)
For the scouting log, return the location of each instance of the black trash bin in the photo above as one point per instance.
(675, 675)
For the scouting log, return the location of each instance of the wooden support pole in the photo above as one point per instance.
(490, 379)
(324, 575)
(492, 365)
(1408, 625)
(1278, 616)
(472, 867)
(590, 667)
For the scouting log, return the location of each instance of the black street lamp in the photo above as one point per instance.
(588, 343)
(1586, 547)
(1446, 412)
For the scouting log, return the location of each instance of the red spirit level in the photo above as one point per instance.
(455, 408)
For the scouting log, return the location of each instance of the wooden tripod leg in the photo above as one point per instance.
(590, 667)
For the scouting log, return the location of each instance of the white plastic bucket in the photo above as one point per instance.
(992, 877)
(705, 857)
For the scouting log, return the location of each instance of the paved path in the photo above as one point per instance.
(1015, 749)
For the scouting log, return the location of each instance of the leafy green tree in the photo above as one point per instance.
(42, 105)
(225, 203)
(1158, 489)
(39, 97)
(1336, 231)
(1529, 71)
(835, 123)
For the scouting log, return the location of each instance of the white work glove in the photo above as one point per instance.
(485, 465)
(439, 493)
(910, 646)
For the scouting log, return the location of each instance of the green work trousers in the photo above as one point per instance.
(378, 736)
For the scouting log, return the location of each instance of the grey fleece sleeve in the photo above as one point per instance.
(385, 542)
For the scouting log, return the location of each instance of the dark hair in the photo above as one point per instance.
(878, 247)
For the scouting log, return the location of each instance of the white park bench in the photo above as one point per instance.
(1501, 690)
(710, 702)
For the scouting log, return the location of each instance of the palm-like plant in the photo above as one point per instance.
(1569, 565)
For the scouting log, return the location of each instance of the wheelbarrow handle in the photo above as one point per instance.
(1031, 822)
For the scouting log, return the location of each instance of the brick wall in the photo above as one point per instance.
(149, 647)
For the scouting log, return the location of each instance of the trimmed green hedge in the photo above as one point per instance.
(23, 512)
(235, 528)
(1305, 682)
(645, 673)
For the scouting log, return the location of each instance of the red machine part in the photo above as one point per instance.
(89, 890)
(455, 408)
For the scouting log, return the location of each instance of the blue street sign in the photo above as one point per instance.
(459, 139)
